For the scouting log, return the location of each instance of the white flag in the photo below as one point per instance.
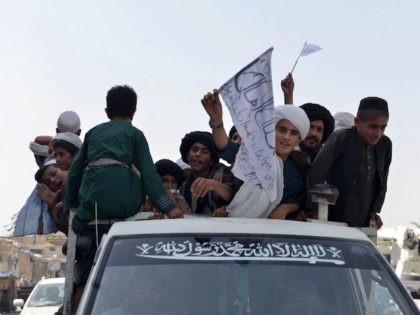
(249, 98)
(309, 49)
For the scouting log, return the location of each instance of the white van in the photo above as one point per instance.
(229, 266)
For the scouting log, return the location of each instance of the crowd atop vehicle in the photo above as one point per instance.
(110, 175)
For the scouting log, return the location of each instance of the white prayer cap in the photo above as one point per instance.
(68, 121)
(69, 137)
(182, 164)
(343, 120)
(295, 115)
(49, 162)
(40, 145)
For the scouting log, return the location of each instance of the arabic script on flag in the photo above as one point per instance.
(249, 98)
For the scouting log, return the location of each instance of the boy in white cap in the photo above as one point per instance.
(291, 125)
(66, 145)
(68, 121)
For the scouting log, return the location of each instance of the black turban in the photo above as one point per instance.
(203, 137)
(167, 167)
(318, 112)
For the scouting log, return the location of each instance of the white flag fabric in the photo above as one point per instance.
(309, 49)
(249, 98)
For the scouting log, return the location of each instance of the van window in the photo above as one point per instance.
(239, 274)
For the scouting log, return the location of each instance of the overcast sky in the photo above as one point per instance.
(65, 55)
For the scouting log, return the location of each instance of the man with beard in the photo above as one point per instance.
(209, 188)
(322, 125)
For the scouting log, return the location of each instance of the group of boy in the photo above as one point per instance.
(36, 215)
(112, 173)
(355, 159)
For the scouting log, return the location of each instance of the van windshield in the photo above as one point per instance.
(242, 274)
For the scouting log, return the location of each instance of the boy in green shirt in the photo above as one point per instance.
(113, 173)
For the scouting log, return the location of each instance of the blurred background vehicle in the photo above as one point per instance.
(45, 298)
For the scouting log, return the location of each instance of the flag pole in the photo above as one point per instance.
(298, 57)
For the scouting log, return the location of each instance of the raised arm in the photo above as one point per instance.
(288, 86)
(213, 106)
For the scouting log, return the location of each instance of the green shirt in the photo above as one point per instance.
(117, 191)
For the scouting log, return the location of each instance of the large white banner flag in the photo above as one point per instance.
(249, 98)
(309, 49)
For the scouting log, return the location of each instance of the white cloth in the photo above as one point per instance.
(68, 121)
(49, 162)
(309, 49)
(182, 164)
(295, 115)
(249, 97)
(254, 202)
(343, 120)
(69, 137)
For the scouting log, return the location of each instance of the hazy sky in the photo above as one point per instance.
(65, 55)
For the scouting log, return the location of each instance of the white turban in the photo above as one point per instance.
(38, 149)
(68, 121)
(343, 120)
(69, 137)
(40, 145)
(295, 115)
(182, 164)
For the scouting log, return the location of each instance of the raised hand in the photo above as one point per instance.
(288, 86)
(213, 106)
(47, 195)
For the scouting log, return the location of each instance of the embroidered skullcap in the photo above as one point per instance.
(41, 171)
(68, 121)
(167, 167)
(40, 145)
(295, 115)
(203, 137)
(70, 138)
(343, 120)
(319, 112)
(373, 102)
(182, 164)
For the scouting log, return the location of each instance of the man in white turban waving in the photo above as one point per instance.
(291, 126)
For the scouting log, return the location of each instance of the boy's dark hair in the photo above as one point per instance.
(232, 132)
(371, 108)
(67, 146)
(39, 159)
(167, 167)
(41, 171)
(121, 101)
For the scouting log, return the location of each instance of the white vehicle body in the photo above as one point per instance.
(40, 302)
(245, 266)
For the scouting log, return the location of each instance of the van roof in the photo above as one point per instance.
(235, 226)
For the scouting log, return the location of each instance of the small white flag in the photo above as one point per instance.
(309, 49)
